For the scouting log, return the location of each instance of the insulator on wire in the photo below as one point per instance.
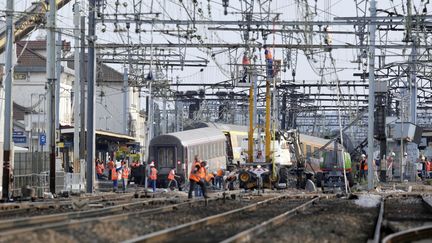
(225, 5)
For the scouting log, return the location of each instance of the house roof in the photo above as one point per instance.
(19, 112)
(104, 72)
(28, 55)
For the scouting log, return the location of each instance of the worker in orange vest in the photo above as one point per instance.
(125, 176)
(269, 60)
(110, 166)
(114, 178)
(363, 167)
(219, 178)
(197, 176)
(99, 169)
(171, 178)
(245, 63)
(209, 178)
(153, 176)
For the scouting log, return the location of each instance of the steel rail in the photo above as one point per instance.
(101, 218)
(411, 235)
(53, 204)
(9, 224)
(170, 233)
(406, 235)
(267, 225)
(378, 225)
(428, 201)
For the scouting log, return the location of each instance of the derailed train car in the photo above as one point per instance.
(321, 164)
(177, 150)
(220, 146)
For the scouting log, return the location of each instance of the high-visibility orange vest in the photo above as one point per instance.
(153, 174)
(209, 177)
(194, 174)
(171, 175)
(110, 164)
(114, 175)
(99, 169)
(268, 54)
(220, 172)
(202, 173)
(125, 173)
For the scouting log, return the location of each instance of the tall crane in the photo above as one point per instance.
(34, 16)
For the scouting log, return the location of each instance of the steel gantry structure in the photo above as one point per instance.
(156, 47)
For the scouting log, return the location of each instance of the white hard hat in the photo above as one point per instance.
(363, 155)
(392, 154)
(258, 166)
(405, 154)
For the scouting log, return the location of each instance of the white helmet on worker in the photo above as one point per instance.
(363, 156)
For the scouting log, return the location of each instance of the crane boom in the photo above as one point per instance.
(34, 16)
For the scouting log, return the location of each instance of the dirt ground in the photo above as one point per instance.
(330, 220)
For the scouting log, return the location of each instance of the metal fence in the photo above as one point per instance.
(31, 169)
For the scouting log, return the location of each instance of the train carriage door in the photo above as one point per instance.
(165, 159)
(229, 148)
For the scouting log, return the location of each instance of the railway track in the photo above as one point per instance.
(405, 219)
(25, 222)
(82, 229)
(64, 206)
(231, 226)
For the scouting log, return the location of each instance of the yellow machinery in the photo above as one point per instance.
(35, 16)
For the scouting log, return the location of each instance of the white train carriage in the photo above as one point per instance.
(177, 150)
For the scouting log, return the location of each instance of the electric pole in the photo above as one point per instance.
(76, 152)
(372, 28)
(8, 146)
(51, 78)
(91, 70)
(83, 100)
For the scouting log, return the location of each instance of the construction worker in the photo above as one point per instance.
(125, 176)
(219, 178)
(202, 174)
(196, 177)
(171, 178)
(269, 60)
(153, 176)
(136, 172)
(110, 166)
(99, 169)
(210, 178)
(428, 168)
(114, 178)
(245, 63)
(363, 167)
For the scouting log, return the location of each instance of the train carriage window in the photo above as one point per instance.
(221, 151)
(205, 151)
(316, 154)
(165, 157)
(216, 149)
(308, 151)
